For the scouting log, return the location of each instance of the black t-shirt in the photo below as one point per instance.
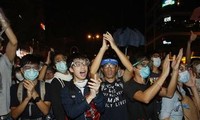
(115, 102)
(137, 110)
(35, 111)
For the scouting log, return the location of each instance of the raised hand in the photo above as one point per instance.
(166, 66)
(30, 86)
(105, 46)
(108, 37)
(94, 85)
(192, 80)
(3, 20)
(192, 37)
(176, 60)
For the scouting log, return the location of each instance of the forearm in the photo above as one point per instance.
(125, 61)
(96, 63)
(17, 111)
(154, 89)
(172, 85)
(43, 106)
(42, 72)
(12, 44)
(196, 97)
(188, 52)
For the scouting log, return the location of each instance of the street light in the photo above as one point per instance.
(93, 36)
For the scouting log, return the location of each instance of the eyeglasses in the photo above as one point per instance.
(78, 63)
(109, 66)
(143, 63)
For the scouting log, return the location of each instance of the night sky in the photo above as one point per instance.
(71, 19)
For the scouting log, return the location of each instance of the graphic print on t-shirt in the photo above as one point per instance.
(113, 93)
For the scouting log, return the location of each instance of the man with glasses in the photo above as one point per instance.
(112, 85)
(6, 61)
(140, 95)
(29, 100)
(81, 97)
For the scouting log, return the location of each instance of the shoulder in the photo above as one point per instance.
(14, 87)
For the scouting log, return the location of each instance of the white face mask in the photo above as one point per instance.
(81, 83)
(184, 76)
(156, 61)
(19, 76)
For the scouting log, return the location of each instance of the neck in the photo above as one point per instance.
(155, 70)
(110, 80)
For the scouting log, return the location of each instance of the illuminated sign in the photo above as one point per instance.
(167, 19)
(168, 2)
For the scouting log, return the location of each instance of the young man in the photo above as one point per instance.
(31, 98)
(140, 95)
(81, 97)
(112, 86)
(6, 61)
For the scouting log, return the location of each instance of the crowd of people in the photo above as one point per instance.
(111, 86)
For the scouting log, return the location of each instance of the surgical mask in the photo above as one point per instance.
(31, 74)
(61, 66)
(156, 62)
(145, 72)
(184, 76)
(19, 76)
(81, 83)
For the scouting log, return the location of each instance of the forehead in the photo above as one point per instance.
(59, 57)
(80, 60)
(31, 65)
(155, 55)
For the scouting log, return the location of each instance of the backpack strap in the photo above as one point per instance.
(61, 82)
(20, 92)
(42, 90)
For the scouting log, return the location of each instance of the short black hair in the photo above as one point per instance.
(74, 56)
(29, 59)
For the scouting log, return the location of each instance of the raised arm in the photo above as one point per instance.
(12, 44)
(44, 67)
(169, 91)
(96, 63)
(125, 61)
(188, 50)
(147, 95)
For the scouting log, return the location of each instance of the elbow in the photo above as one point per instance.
(146, 100)
(169, 96)
(46, 113)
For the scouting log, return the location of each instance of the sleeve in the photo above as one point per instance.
(13, 94)
(47, 92)
(56, 100)
(166, 107)
(130, 89)
(72, 107)
(7, 61)
(100, 102)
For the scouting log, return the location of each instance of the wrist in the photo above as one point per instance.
(37, 99)
(46, 64)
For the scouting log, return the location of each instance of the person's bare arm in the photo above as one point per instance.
(12, 44)
(188, 50)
